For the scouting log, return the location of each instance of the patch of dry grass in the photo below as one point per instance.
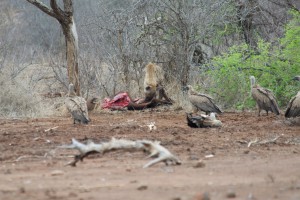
(17, 101)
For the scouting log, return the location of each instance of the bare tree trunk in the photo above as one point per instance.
(124, 58)
(185, 72)
(65, 18)
(71, 38)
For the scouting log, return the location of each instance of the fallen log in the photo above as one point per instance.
(160, 153)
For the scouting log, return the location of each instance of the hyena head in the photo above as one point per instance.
(153, 78)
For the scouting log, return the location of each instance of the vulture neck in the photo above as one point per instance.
(191, 92)
(71, 91)
(252, 81)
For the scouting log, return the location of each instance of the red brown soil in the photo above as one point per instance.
(32, 167)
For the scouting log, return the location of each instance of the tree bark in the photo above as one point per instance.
(245, 13)
(71, 38)
(66, 20)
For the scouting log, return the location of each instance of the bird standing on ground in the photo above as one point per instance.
(77, 106)
(202, 102)
(92, 103)
(293, 108)
(264, 98)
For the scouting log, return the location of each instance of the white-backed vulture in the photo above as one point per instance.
(92, 103)
(296, 78)
(293, 108)
(77, 106)
(203, 121)
(202, 102)
(265, 99)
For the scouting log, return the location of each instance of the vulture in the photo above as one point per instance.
(201, 102)
(77, 106)
(264, 98)
(293, 108)
(203, 121)
(296, 78)
(92, 103)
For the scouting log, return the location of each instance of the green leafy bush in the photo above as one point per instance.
(273, 66)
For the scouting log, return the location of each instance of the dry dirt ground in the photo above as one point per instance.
(32, 167)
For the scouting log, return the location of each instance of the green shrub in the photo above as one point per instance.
(273, 66)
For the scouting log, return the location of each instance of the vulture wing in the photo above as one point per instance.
(293, 108)
(204, 103)
(194, 122)
(270, 99)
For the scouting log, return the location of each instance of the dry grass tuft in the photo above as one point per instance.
(17, 101)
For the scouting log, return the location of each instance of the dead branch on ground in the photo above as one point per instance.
(154, 148)
(266, 141)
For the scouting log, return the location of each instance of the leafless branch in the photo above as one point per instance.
(43, 7)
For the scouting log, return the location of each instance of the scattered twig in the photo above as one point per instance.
(22, 157)
(253, 142)
(209, 156)
(266, 141)
(39, 138)
(242, 141)
(293, 141)
(51, 129)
